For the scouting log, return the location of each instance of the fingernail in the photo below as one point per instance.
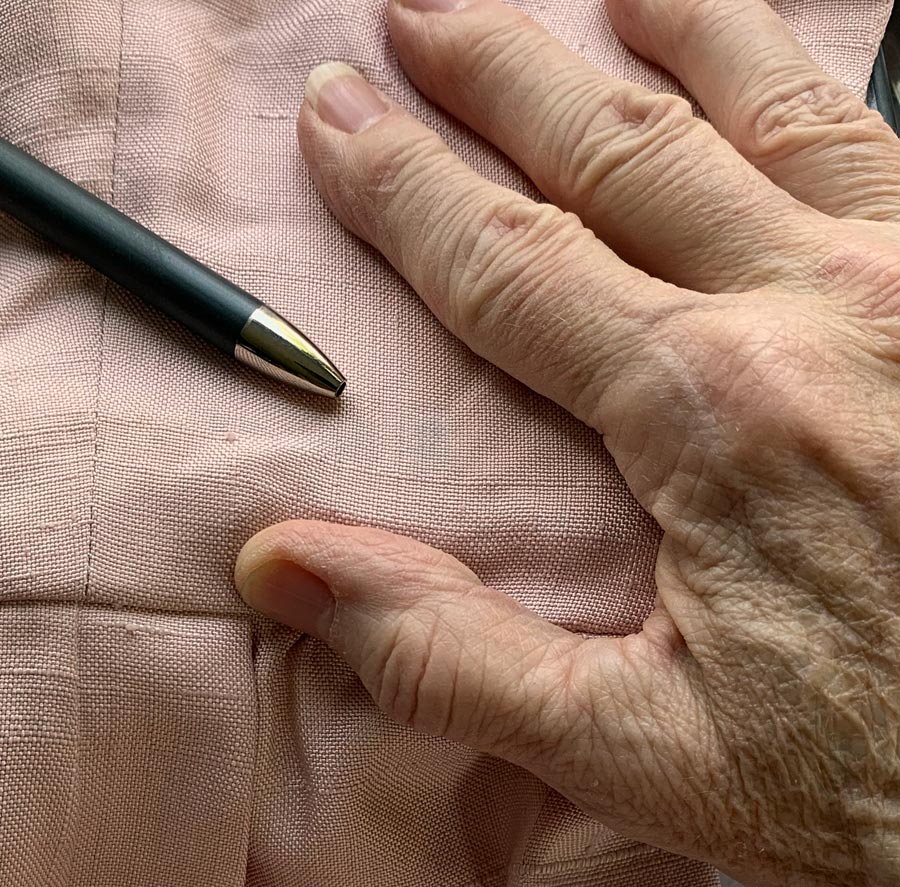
(435, 5)
(343, 99)
(289, 594)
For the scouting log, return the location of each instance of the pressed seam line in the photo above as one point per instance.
(70, 825)
(254, 771)
(104, 299)
(130, 609)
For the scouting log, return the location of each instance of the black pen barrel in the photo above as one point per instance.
(120, 248)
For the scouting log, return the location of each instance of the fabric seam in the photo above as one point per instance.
(253, 640)
(79, 718)
(92, 505)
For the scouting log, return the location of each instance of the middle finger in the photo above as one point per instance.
(659, 186)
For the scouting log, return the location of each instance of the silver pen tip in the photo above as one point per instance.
(271, 345)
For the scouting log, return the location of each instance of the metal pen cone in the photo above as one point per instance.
(269, 344)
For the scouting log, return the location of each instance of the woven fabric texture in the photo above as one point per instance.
(152, 731)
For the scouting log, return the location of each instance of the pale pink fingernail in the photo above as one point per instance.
(285, 591)
(435, 5)
(342, 98)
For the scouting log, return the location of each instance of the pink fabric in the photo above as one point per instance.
(152, 732)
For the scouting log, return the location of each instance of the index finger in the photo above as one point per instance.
(525, 285)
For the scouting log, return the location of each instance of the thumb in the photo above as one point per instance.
(434, 647)
(439, 651)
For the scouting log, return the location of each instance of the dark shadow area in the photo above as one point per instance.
(884, 87)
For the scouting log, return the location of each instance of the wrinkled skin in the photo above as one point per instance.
(722, 302)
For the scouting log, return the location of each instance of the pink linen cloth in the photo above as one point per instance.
(153, 731)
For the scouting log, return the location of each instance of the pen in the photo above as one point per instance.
(161, 274)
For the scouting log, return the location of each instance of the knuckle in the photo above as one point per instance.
(500, 287)
(782, 119)
(598, 147)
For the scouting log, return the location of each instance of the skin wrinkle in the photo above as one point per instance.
(396, 668)
(745, 60)
(767, 561)
(744, 83)
(517, 672)
(882, 286)
(699, 22)
(561, 89)
(593, 164)
(511, 719)
(493, 268)
(851, 620)
(496, 309)
(718, 23)
(395, 165)
(418, 692)
(765, 523)
(452, 230)
(499, 55)
(407, 191)
(544, 673)
(646, 705)
(807, 741)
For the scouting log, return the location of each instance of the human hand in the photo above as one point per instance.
(748, 391)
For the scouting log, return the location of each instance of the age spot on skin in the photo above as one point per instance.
(838, 265)
(873, 276)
